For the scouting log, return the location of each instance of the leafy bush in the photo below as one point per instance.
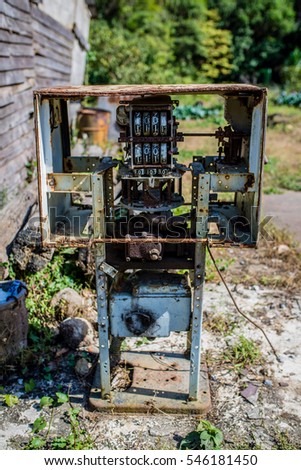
(289, 99)
(196, 112)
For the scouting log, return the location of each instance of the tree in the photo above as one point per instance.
(259, 30)
(148, 41)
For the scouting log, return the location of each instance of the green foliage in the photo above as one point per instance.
(142, 341)
(29, 386)
(261, 32)
(197, 112)
(36, 443)
(205, 437)
(39, 424)
(223, 265)
(144, 41)
(148, 41)
(278, 177)
(285, 441)
(61, 272)
(10, 400)
(3, 197)
(76, 439)
(216, 47)
(62, 398)
(46, 401)
(291, 71)
(242, 353)
(289, 99)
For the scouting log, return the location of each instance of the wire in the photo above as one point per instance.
(237, 307)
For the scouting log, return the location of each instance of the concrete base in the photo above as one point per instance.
(160, 383)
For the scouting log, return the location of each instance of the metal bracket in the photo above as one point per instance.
(108, 269)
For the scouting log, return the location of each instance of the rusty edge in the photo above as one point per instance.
(39, 173)
(82, 243)
(149, 89)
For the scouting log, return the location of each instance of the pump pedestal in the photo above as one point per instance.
(159, 383)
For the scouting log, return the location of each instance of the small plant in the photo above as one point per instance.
(10, 400)
(31, 167)
(223, 264)
(77, 439)
(205, 437)
(3, 198)
(284, 441)
(242, 353)
(142, 341)
(29, 386)
(220, 323)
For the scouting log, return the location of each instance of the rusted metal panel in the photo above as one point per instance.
(73, 183)
(232, 182)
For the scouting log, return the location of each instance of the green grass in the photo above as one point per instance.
(242, 353)
(278, 177)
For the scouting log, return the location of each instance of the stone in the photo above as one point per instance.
(69, 303)
(268, 383)
(282, 250)
(28, 254)
(255, 413)
(77, 332)
(283, 384)
(83, 367)
(250, 393)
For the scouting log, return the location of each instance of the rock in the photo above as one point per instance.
(28, 253)
(255, 413)
(69, 303)
(268, 383)
(83, 367)
(92, 349)
(77, 332)
(159, 431)
(283, 384)
(255, 287)
(283, 249)
(250, 393)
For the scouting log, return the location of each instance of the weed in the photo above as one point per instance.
(124, 346)
(3, 198)
(43, 285)
(10, 400)
(284, 441)
(220, 323)
(29, 386)
(141, 341)
(223, 264)
(76, 439)
(31, 167)
(205, 437)
(245, 445)
(242, 353)
(278, 177)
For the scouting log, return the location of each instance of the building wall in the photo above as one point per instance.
(42, 43)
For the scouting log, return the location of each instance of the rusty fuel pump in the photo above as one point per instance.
(148, 216)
